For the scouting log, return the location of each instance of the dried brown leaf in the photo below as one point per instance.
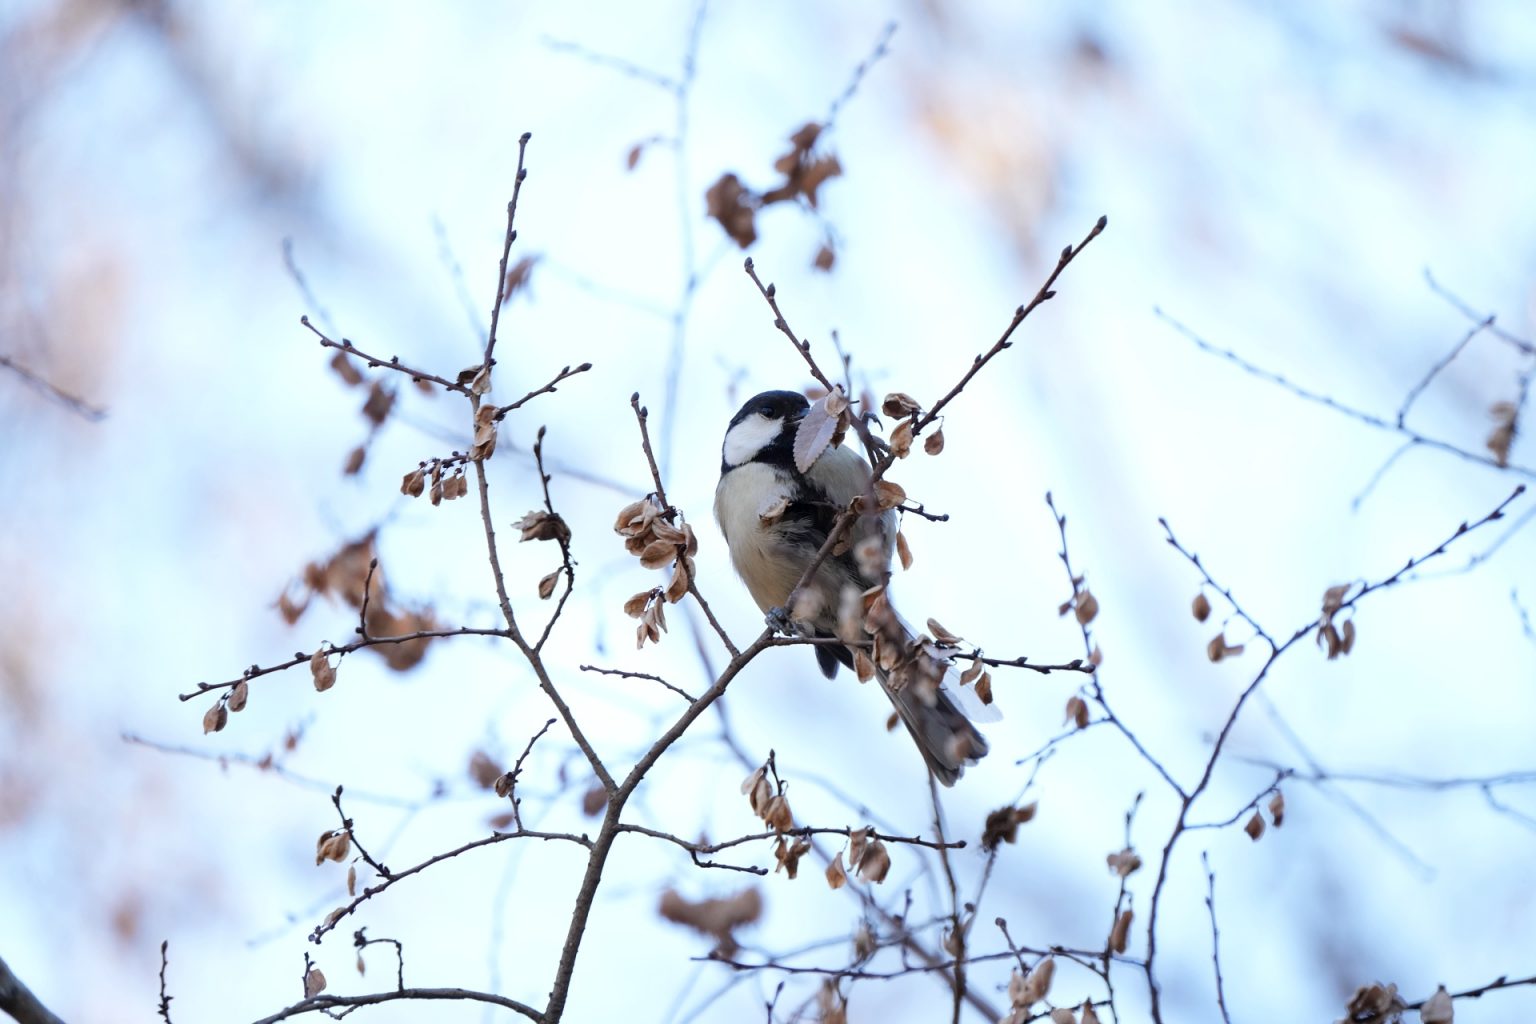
(1255, 826)
(836, 876)
(1087, 607)
(901, 439)
(380, 401)
(899, 403)
(1120, 934)
(1077, 712)
(1123, 863)
(314, 982)
(825, 258)
(595, 800)
(815, 432)
(484, 769)
(519, 276)
(942, 636)
(1201, 607)
(322, 672)
(875, 863)
(547, 585)
(346, 369)
(933, 444)
(354, 461)
(238, 695)
(733, 206)
(716, 917)
(903, 551)
(215, 718)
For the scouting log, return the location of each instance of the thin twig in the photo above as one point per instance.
(79, 406)
(323, 1003)
(1210, 905)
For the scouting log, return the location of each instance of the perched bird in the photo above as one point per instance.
(776, 518)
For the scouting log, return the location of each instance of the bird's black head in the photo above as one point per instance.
(764, 430)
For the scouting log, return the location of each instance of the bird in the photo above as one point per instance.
(776, 519)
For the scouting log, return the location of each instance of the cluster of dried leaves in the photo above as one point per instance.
(1025, 990)
(735, 206)
(1336, 639)
(354, 577)
(1002, 825)
(377, 406)
(660, 537)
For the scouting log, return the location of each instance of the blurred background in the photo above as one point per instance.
(180, 182)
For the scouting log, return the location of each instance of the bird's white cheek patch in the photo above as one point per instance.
(747, 438)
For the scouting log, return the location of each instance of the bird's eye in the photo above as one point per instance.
(765, 410)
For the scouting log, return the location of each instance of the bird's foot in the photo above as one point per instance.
(779, 621)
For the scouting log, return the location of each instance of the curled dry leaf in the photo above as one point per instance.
(889, 494)
(351, 879)
(333, 845)
(1077, 712)
(933, 444)
(320, 668)
(215, 718)
(836, 876)
(314, 982)
(519, 276)
(354, 461)
(1037, 984)
(732, 205)
(1063, 1015)
(346, 369)
(380, 401)
(1277, 808)
(547, 585)
(903, 552)
(1438, 1009)
(875, 863)
(1375, 1004)
(942, 636)
(1123, 863)
(595, 800)
(984, 688)
(788, 855)
(716, 918)
(1254, 827)
(899, 403)
(414, 482)
(1089, 1016)
(484, 769)
(858, 841)
(862, 666)
(1119, 935)
(1201, 607)
(758, 790)
(539, 525)
(635, 606)
(825, 258)
(864, 944)
(1499, 441)
(777, 815)
(1002, 825)
(239, 695)
(816, 429)
(1087, 607)
(901, 439)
